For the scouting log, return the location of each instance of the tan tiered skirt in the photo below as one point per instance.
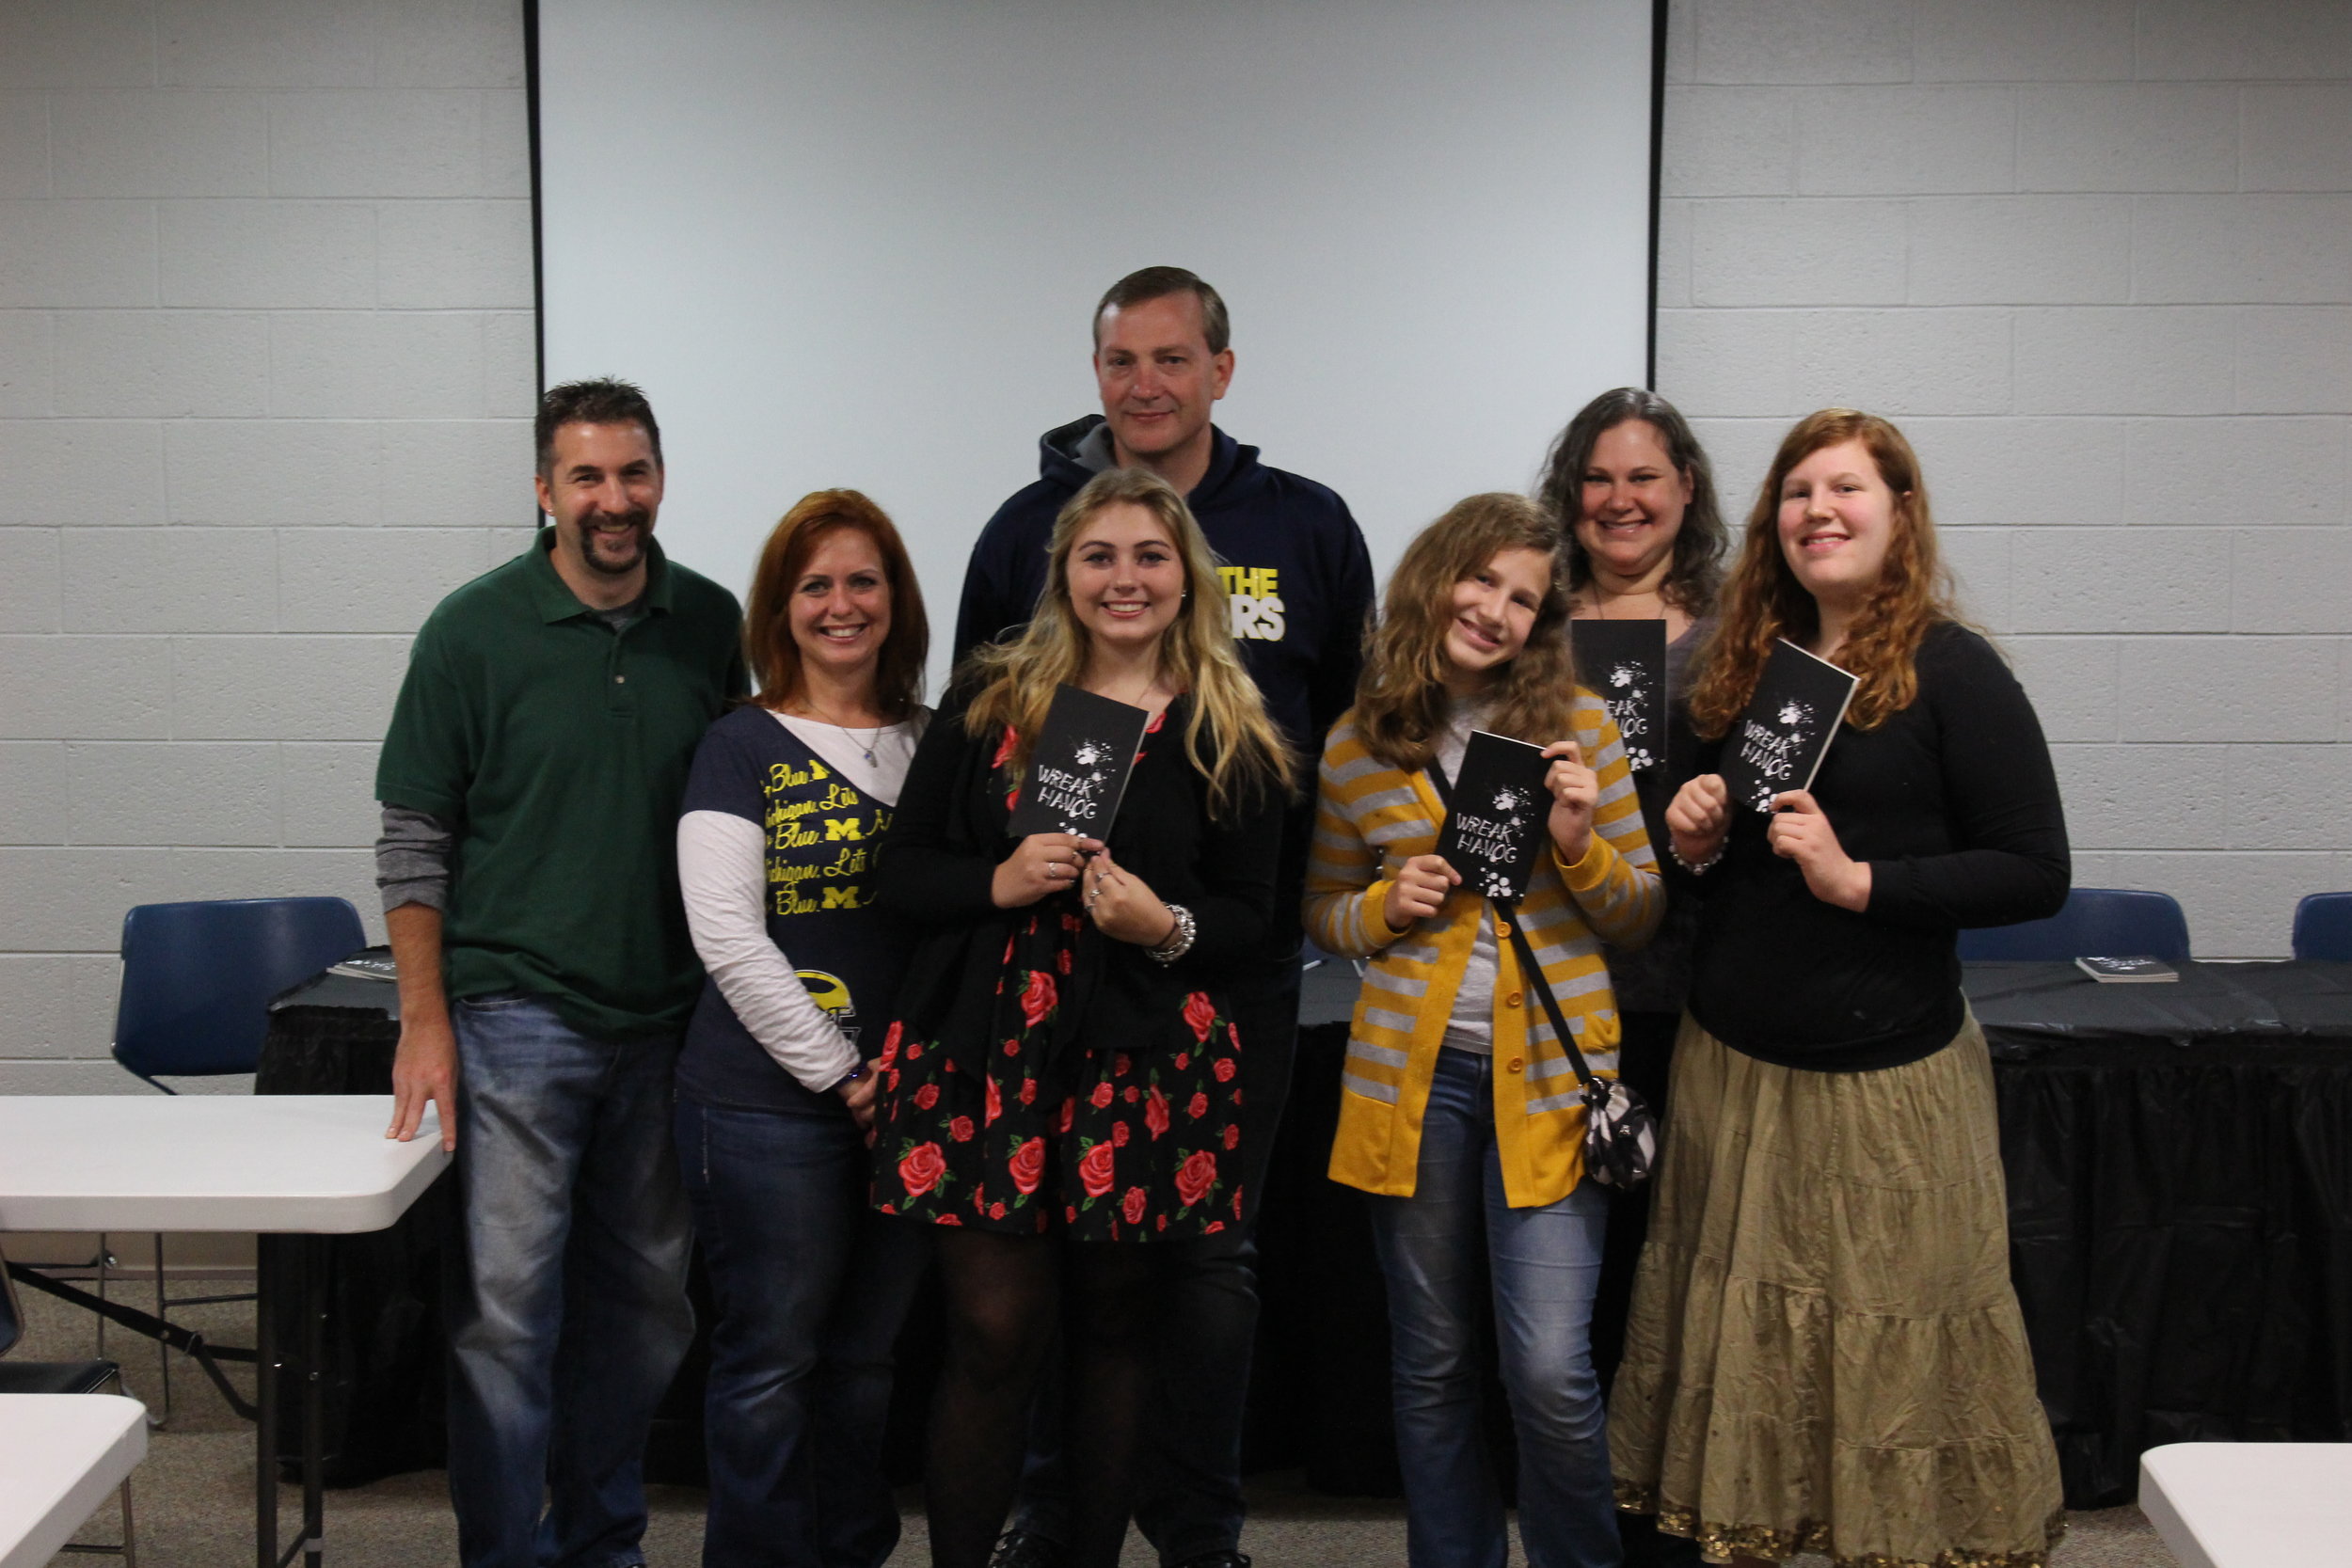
(1826, 1352)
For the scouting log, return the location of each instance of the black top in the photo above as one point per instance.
(1655, 977)
(1953, 804)
(939, 860)
(821, 832)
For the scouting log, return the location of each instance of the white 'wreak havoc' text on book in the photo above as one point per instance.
(1078, 768)
(1778, 744)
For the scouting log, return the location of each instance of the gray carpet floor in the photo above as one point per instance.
(194, 1492)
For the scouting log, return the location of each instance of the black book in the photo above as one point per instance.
(1078, 768)
(1780, 741)
(2127, 972)
(1495, 816)
(1624, 662)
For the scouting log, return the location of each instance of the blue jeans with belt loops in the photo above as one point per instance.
(810, 1287)
(1544, 1266)
(567, 1310)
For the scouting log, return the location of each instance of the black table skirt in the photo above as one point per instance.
(2180, 1198)
(2179, 1192)
(383, 1378)
(2180, 1184)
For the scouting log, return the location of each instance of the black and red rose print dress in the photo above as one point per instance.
(1143, 1141)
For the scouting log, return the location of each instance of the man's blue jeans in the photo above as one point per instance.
(1545, 1265)
(811, 1285)
(567, 1310)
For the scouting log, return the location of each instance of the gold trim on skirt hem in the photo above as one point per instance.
(1720, 1544)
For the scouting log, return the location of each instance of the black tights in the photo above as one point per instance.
(1004, 1295)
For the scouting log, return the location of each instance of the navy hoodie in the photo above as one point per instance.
(1294, 563)
(1292, 557)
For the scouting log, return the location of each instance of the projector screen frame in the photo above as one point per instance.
(1660, 20)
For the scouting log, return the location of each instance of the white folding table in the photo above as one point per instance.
(60, 1455)
(290, 1168)
(2249, 1505)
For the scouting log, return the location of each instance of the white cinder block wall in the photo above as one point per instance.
(265, 368)
(266, 371)
(2095, 257)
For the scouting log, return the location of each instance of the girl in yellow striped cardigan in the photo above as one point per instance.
(1459, 1109)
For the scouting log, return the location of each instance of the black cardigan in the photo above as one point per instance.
(1953, 804)
(936, 865)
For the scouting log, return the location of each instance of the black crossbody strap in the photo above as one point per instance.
(1506, 912)
(1532, 977)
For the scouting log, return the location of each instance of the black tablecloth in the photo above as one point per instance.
(383, 1376)
(2179, 1172)
(2180, 1195)
(2180, 1179)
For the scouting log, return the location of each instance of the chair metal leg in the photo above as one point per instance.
(128, 1550)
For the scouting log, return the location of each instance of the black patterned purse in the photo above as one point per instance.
(1620, 1132)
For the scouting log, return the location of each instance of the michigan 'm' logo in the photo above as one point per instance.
(827, 992)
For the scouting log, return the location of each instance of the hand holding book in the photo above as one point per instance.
(1421, 885)
(1040, 864)
(1124, 909)
(1574, 792)
(1800, 832)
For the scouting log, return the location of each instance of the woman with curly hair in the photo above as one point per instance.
(1635, 497)
(1061, 1088)
(1460, 1106)
(1826, 1352)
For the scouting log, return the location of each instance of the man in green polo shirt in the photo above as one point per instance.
(530, 783)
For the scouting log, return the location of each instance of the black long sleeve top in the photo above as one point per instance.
(936, 867)
(1953, 804)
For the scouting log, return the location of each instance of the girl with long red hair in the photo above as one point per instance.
(1826, 1352)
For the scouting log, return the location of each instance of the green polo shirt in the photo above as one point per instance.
(556, 749)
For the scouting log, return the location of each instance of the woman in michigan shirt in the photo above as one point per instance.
(787, 797)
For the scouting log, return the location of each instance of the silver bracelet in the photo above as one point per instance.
(1179, 940)
(1704, 867)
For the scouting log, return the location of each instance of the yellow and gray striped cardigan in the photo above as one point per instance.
(1370, 819)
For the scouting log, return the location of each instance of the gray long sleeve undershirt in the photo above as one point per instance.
(412, 858)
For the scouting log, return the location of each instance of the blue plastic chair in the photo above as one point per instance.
(197, 977)
(2096, 921)
(197, 982)
(2323, 927)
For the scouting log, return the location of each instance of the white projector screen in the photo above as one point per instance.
(857, 242)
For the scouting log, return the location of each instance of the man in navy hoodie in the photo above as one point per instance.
(1300, 584)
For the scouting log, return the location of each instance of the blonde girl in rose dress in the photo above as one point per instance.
(1062, 1087)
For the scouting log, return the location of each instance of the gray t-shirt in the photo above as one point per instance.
(1471, 1025)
